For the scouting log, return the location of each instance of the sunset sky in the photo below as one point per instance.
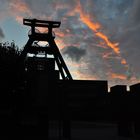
(99, 39)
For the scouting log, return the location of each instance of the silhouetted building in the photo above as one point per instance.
(84, 97)
(135, 103)
(134, 89)
(118, 90)
(121, 109)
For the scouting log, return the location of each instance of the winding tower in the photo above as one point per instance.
(42, 103)
(35, 36)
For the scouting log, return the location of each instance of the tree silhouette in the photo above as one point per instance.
(9, 54)
(9, 75)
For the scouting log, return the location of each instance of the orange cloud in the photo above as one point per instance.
(60, 43)
(18, 8)
(123, 62)
(83, 76)
(19, 19)
(118, 76)
(107, 55)
(59, 34)
(94, 26)
(114, 46)
(77, 74)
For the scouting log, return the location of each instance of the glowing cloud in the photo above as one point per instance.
(118, 76)
(95, 27)
(19, 8)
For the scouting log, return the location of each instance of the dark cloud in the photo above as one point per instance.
(135, 12)
(74, 53)
(1, 33)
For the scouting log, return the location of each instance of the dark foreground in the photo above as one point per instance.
(80, 130)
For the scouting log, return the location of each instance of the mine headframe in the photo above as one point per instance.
(50, 49)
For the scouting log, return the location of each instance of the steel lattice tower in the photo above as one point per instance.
(49, 37)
